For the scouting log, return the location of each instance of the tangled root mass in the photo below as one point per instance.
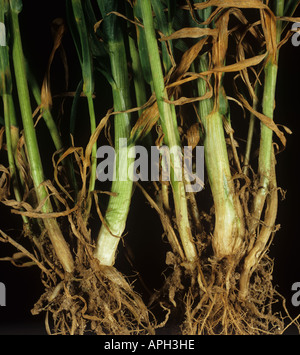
(97, 300)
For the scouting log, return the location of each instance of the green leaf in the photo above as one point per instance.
(73, 115)
(87, 62)
(98, 48)
(103, 70)
(111, 27)
(73, 29)
(142, 46)
(290, 7)
(171, 10)
(223, 102)
(4, 6)
(165, 27)
(205, 13)
(161, 18)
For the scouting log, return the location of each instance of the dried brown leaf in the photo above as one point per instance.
(137, 22)
(289, 19)
(58, 31)
(187, 59)
(2, 131)
(288, 131)
(268, 20)
(243, 4)
(193, 135)
(249, 62)
(146, 121)
(220, 44)
(191, 32)
(166, 223)
(150, 115)
(7, 239)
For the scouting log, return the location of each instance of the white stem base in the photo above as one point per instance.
(107, 245)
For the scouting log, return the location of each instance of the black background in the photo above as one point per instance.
(23, 286)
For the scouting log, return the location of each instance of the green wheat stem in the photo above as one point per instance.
(279, 10)
(122, 186)
(60, 246)
(266, 134)
(138, 79)
(228, 226)
(10, 121)
(170, 129)
(11, 150)
(93, 167)
(250, 132)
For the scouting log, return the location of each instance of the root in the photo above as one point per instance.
(205, 300)
(93, 298)
(219, 310)
(97, 300)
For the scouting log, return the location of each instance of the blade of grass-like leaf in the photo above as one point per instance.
(172, 7)
(88, 85)
(73, 29)
(142, 46)
(250, 132)
(290, 7)
(74, 108)
(97, 47)
(139, 82)
(165, 28)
